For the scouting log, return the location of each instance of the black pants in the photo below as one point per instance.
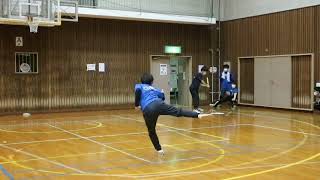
(226, 98)
(195, 98)
(154, 110)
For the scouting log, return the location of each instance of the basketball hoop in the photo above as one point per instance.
(33, 24)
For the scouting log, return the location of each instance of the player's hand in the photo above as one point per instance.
(208, 86)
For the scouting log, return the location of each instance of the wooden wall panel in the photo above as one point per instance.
(63, 83)
(301, 79)
(247, 80)
(290, 32)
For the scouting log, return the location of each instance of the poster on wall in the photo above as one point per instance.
(91, 67)
(163, 69)
(102, 67)
(213, 69)
(19, 41)
(200, 67)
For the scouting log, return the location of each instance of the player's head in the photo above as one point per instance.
(233, 85)
(226, 68)
(147, 78)
(204, 70)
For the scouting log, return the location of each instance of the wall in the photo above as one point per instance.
(63, 82)
(290, 32)
(236, 9)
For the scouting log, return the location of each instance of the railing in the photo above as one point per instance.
(201, 8)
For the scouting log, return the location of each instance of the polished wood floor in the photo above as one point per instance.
(247, 143)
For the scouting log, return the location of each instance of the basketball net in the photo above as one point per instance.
(33, 24)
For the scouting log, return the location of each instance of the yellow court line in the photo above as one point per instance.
(275, 169)
(99, 124)
(103, 152)
(246, 163)
(177, 129)
(221, 156)
(289, 165)
(222, 152)
(258, 160)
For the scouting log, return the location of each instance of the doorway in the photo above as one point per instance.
(173, 74)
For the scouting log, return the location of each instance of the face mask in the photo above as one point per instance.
(233, 86)
(225, 70)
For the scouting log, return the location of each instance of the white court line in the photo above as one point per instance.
(283, 118)
(41, 158)
(124, 134)
(101, 144)
(169, 127)
(226, 169)
(286, 130)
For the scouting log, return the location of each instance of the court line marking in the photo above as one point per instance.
(41, 158)
(6, 173)
(160, 131)
(222, 152)
(99, 143)
(246, 163)
(170, 127)
(50, 132)
(102, 152)
(135, 175)
(108, 175)
(275, 169)
(124, 134)
(250, 167)
(315, 126)
(286, 130)
(258, 160)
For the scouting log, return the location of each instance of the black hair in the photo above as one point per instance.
(226, 66)
(204, 68)
(147, 78)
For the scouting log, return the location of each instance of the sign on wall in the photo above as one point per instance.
(19, 41)
(163, 69)
(91, 67)
(102, 67)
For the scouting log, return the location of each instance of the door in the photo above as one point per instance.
(281, 81)
(160, 69)
(272, 81)
(262, 86)
(184, 80)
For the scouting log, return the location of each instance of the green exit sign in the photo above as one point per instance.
(172, 49)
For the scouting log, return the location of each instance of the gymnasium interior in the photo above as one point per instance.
(68, 76)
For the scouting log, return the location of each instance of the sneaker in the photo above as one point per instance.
(201, 110)
(200, 116)
(197, 111)
(161, 152)
(215, 104)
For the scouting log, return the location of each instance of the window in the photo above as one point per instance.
(26, 62)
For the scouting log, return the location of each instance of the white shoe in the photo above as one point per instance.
(197, 111)
(200, 116)
(201, 110)
(161, 152)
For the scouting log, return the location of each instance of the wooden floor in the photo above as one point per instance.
(248, 143)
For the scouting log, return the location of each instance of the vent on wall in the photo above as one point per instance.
(26, 62)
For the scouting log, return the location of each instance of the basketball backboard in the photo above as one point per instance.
(44, 12)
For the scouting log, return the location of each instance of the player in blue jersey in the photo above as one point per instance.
(151, 101)
(230, 95)
(226, 80)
